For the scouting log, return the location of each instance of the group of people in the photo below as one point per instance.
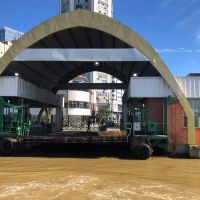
(92, 120)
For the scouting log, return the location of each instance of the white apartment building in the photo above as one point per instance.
(100, 6)
(77, 108)
(111, 99)
(79, 104)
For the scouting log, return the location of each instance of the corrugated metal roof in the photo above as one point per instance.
(190, 85)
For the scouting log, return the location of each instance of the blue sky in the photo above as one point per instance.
(172, 27)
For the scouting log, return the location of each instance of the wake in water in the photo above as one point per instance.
(90, 187)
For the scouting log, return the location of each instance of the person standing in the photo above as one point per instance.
(88, 125)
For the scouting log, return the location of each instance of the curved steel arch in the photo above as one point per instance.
(100, 22)
(75, 72)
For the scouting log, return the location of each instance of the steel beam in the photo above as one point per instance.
(84, 55)
(95, 86)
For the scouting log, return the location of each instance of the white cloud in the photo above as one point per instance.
(188, 51)
(178, 50)
(180, 12)
(194, 16)
(182, 7)
(165, 50)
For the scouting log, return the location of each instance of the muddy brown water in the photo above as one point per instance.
(98, 177)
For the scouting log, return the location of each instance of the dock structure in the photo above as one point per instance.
(67, 137)
(156, 108)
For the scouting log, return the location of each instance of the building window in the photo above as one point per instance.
(74, 105)
(79, 7)
(79, 104)
(119, 108)
(195, 105)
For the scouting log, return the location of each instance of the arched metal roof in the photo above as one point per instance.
(78, 38)
(83, 29)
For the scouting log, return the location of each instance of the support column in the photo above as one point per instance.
(59, 118)
(1, 116)
(48, 114)
(38, 120)
(124, 114)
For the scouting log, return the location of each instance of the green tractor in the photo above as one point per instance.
(144, 133)
(15, 123)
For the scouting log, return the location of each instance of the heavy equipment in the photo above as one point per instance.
(141, 133)
(14, 123)
(145, 134)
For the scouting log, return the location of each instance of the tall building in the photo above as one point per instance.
(8, 34)
(111, 99)
(100, 6)
(4, 46)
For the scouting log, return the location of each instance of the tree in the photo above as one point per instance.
(103, 113)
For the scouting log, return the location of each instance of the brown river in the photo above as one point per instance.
(98, 177)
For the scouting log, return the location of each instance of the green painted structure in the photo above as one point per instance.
(14, 120)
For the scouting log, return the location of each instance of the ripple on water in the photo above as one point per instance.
(53, 189)
(90, 187)
(150, 192)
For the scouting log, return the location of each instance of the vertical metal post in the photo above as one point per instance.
(133, 114)
(163, 115)
(125, 111)
(1, 115)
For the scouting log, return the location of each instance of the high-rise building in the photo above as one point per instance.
(100, 6)
(111, 99)
(4, 46)
(8, 34)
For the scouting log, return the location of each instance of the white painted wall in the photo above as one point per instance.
(12, 86)
(79, 112)
(78, 96)
(140, 87)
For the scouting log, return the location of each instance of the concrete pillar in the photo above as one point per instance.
(40, 115)
(59, 118)
(48, 111)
